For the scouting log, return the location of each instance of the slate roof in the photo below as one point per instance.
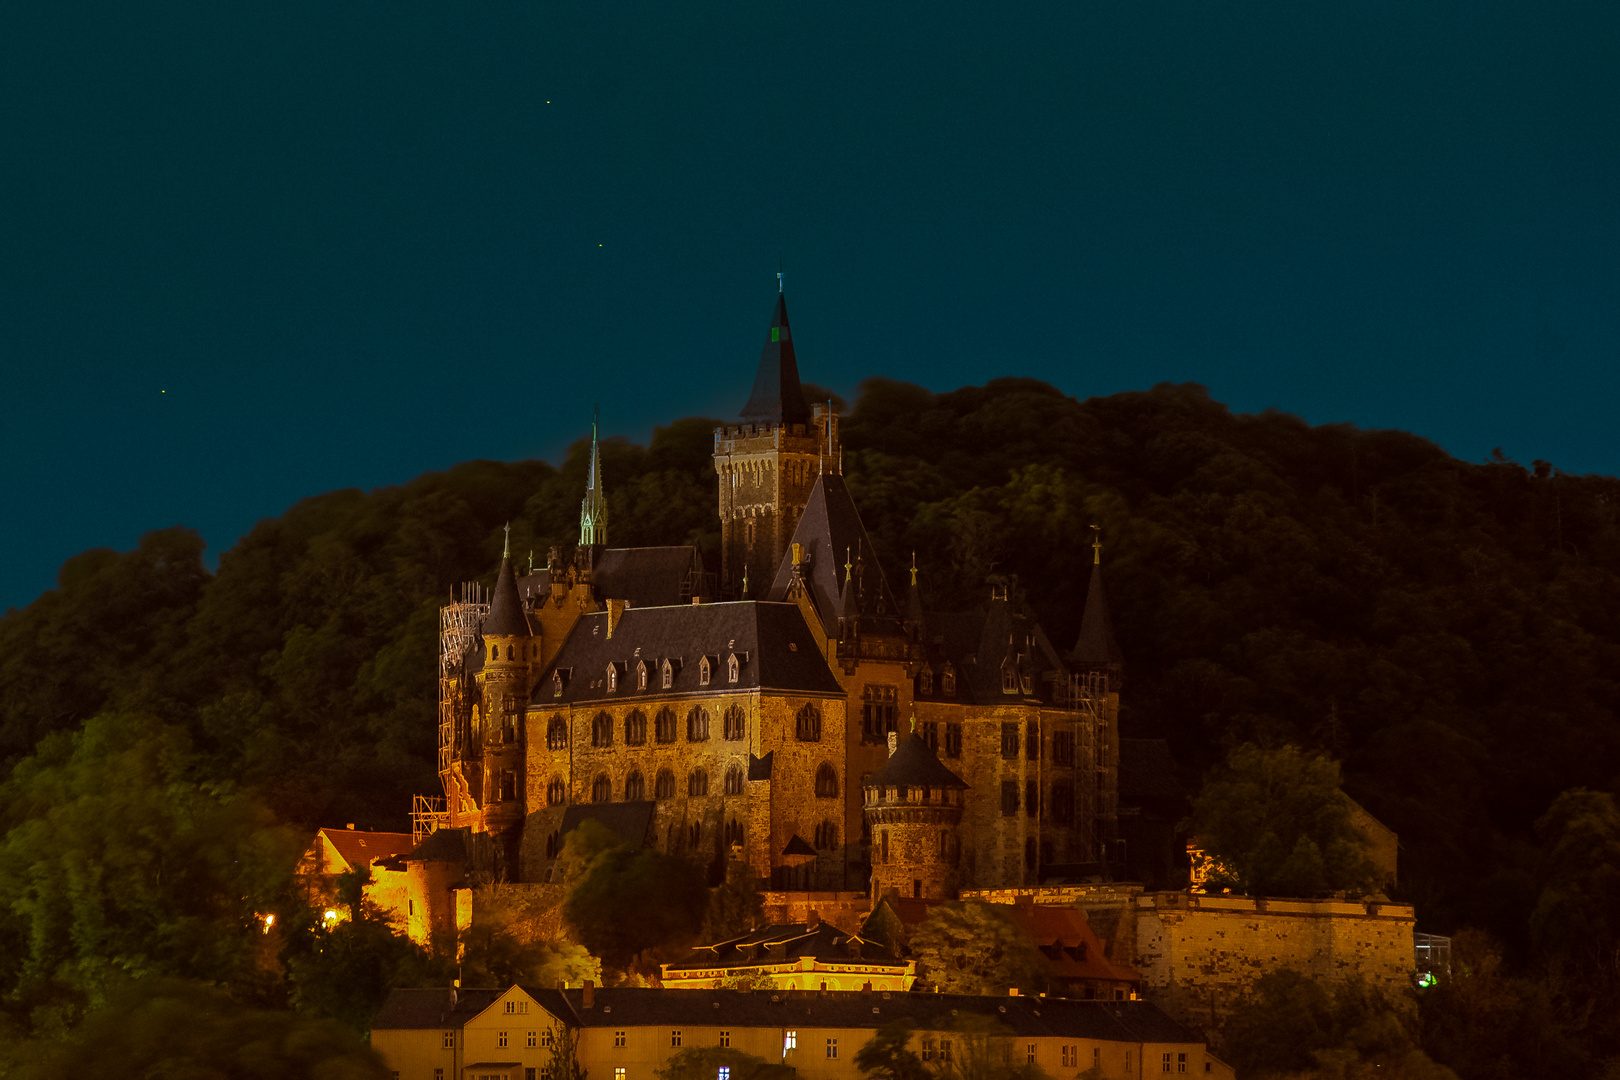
(645, 576)
(1147, 773)
(506, 617)
(360, 849)
(1097, 645)
(775, 649)
(783, 942)
(444, 845)
(915, 763)
(975, 644)
(777, 397)
(831, 533)
(406, 1009)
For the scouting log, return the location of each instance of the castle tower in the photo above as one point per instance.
(912, 805)
(511, 652)
(768, 464)
(1098, 664)
(593, 513)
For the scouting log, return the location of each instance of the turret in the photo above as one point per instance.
(913, 805)
(511, 653)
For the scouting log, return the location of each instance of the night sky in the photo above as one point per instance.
(253, 252)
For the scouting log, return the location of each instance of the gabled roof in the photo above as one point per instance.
(914, 763)
(775, 647)
(361, 849)
(777, 397)
(506, 617)
(977, 644)
(831, 534)
(406, 1009)
(644, 576)
(786, 941)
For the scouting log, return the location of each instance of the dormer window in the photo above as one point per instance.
(669, 675)
(613, 677)
(949, 682)
(732, 668)
(925, 680)
(1009, 679)
(641, 675)
(556, 684)
(703, 672)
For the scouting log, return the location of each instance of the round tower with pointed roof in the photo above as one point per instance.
(510, 653)
(913, 806)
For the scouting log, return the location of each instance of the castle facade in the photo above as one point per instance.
(802, 719)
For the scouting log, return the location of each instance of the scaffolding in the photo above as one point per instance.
(459, 623)
(427, 815)
(1096, 757)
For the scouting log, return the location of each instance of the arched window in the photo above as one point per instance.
(509, 652)
(734, 832)
(697, 783)
(807, 725)
(556, 792)
(732, 668)
(602, 789)
(703, 672)
(664, 725)
(635, 788)
(1009, 679)
(736, 723)
(925, 681)
(734, 780)
(602, 730)
(613, 676)
(694, 835)
(826, 781)
(494, 652)
(826, 836)
(664, 785)
(949, 682)
(635, 729)
(557, 734)
(697, 725)
(669, 675)
(641, 675)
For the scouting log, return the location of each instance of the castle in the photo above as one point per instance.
(757, 724)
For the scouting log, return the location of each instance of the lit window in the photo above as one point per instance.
(832, 1048)
(618, 1073)
(723, 1073)
(790, 1041)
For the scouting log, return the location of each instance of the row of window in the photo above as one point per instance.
(1061, 810)
(666, 672)
(697, 785)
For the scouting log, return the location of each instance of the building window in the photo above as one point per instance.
(635, 729)
(1009, 679)
(948, 683)
(675, 1037)
(528, 1074)
(556, 792)
(930, 735)
(1029, 1054)
(557, 734)
(1009, 798)
(925, 681)
(953, 740)
(449, 1039)
(697, 725)
(826, 836)
(618, 1072)
(694, 835)
(826, 781)
(438, 1074)
(641, 675)
(664, 725)
(613, 677)
(602, 789)
(736, 723)
(723, 1073)
(733, 668)
(1032, 743)
(879, 714)
(734, 832)
(725, 1037)
(883, 844)
(668, 675)
(1168, 1059)
(532, 1039)
(508, 785)
(790, 1041)
(807, 725)
(945, 1050)
(1063, 748)
(618, 1038)
(1032, 797)
(1062, 804)
(500, 1038)
(832, 1048)
(703, 672)
(664, 785)
(1181, 1063)
(1066, 1054)
(546, 1038)
(697, 782)
(635, 788)
(1009, 740)
(734, 780)
(602, 730)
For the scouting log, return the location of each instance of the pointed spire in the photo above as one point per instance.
(1097, 646)
(847, 603)
(914, 611)
(506, 617)
(593, 511)
(777, 398)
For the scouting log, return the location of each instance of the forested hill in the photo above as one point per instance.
(1449, 630)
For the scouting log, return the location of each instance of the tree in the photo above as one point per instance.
(983, 1051)
(734, 905)
(628, 901)
(1275, 822)
(705, 1063)
(564, 1043)
(184, 1029)
(888, 1055)
(1576, 922)
(346, 970)
(967, 947)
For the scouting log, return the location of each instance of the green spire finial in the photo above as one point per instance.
(593, 511)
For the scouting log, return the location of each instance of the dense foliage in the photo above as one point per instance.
(968, 947)
(1448, 631)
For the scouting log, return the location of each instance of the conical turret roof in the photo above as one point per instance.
(506, 617)
(777, 397)
(1097, 644)
(914, 762)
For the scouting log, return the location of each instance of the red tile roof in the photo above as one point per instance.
(363, 848)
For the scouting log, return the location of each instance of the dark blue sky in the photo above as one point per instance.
(252, 252)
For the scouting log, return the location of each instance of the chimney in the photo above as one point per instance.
(589, 994)
(894, 742)
(615, 610)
